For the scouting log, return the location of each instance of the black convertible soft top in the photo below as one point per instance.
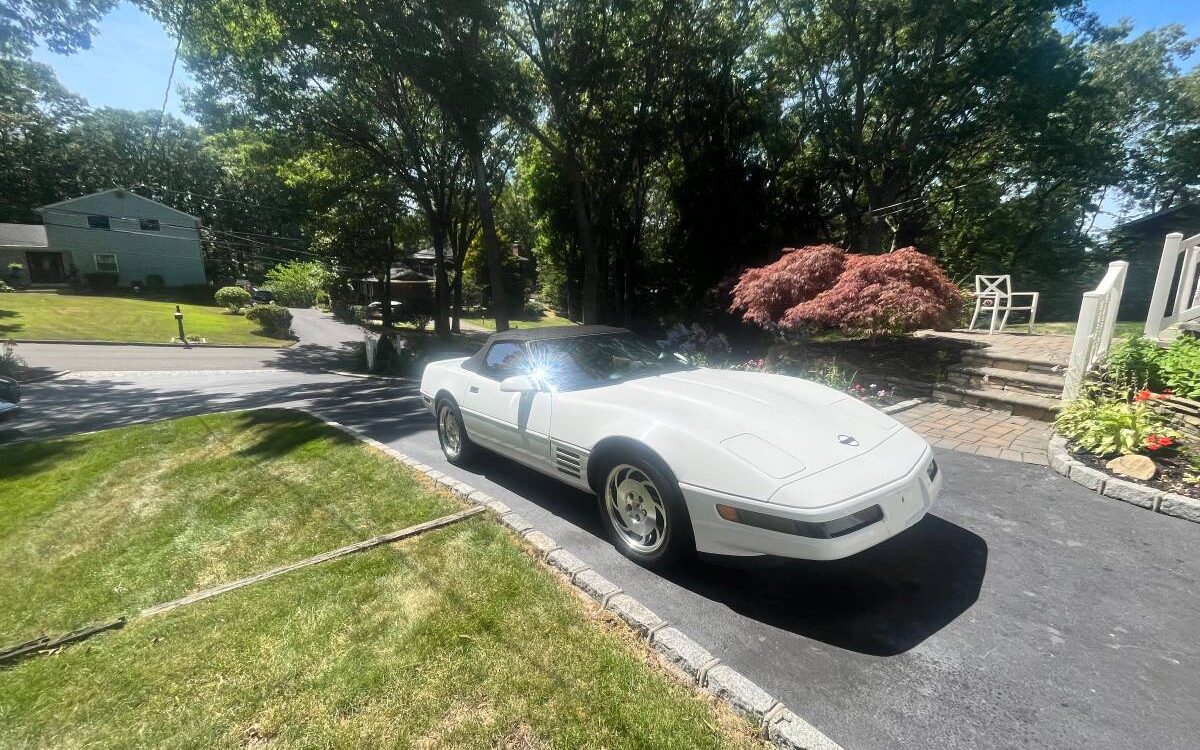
(475, 362)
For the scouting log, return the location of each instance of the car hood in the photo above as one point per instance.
(781, 427)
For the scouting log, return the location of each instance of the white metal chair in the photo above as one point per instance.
(995, 293)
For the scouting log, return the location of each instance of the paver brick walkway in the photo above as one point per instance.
(979, 431)
(1041, 347)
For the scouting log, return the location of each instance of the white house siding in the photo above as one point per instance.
(173, 251)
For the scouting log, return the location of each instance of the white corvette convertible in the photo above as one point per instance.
(684, 458)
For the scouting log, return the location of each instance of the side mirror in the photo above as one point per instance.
(518, 384)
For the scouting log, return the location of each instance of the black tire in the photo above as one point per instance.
(648, 487)
(452, 435)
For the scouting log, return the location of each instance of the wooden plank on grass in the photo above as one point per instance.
(334, 554)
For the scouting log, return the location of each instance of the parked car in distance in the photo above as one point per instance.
(10, 396)
(685, 458)
(375, 309)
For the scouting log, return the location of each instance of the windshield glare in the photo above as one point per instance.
(586, 361)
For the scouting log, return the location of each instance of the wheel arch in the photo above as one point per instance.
(605, 452)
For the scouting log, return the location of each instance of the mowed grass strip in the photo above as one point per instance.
(450, 640)
(546, 320)
(453, 639)
(80, 317)
(100, 525)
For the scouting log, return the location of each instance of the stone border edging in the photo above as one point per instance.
(364, 375)
(902, 406)
(1167, 503)
(784, 729)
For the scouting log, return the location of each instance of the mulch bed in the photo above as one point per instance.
(1171, 469)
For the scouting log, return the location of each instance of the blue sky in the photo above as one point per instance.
(130, 59)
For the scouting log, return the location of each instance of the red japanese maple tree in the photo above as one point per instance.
(823, 286)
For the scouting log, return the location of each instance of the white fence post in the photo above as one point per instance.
(1162, 284)
(1093, 333)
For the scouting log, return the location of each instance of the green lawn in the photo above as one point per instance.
(101, 318)
(547, 319)
(1067, 328)
(454, 639)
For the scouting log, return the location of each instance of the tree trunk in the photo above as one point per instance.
(491, 242)
(441, 285)
(587, 245)
(385, 295)
(456, 305)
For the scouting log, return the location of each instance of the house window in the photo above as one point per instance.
(106, 263)
(96, 221)
(148, 225)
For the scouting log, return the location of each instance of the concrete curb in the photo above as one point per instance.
(365, 375)
(784, 729)
(42, 378)
(1167, 503)
(73, 342)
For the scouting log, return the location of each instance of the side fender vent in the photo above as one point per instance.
(567, 461)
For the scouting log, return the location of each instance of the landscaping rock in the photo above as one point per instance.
(1088, 477)
(1180, 506)
(1056, 454)
(742, 695)
(635, 614)
(1133, 466)
(790, 732)
(1131, 493)
(681, 651)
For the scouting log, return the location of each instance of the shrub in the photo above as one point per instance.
(5, 287)
(101, 281)
(355, 313)
(417, 312)
(825, 287)
(155, 282)
(532, 309)
(14, 270)
(1133, 364)
(1179, 366)
(11, 366)
(697, 344)
(233, 298)
(274, 320)
(296, 283)
(323, 299)
(1106, 427)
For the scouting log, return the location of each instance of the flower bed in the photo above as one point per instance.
(1137, 418)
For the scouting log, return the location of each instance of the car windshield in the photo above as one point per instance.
(589, 361)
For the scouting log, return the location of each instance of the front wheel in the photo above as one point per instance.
(452, 436)
(644, 513)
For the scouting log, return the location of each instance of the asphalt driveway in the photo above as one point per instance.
(1024, 611)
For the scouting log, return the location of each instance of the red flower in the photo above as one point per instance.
(1143, 395)
(1154, 442)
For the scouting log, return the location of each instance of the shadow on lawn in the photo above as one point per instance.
(29, 458)
(9, 330)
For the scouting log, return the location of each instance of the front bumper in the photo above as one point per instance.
(904, 502)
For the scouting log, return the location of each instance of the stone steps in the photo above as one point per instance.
(1000, 379)
(1016, 402)
(985, 358)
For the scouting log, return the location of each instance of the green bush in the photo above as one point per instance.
(1179, 366)
(274, 320)
(233, 298)
(1133, 364)
(5, 288)
(296, 283)
(11, 366)
(1106, 427)
(532, 309)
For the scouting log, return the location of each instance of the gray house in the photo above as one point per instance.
(110, 232)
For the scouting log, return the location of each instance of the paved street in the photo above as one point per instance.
(323, 342)
(1023, 612)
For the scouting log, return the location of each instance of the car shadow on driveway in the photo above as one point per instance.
(882, 601)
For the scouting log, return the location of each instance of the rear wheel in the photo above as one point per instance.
(452, 436)
(644, 513)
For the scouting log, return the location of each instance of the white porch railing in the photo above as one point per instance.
(1097, 318)
(1176, 270)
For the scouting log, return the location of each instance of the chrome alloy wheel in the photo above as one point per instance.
(636, 508)
(448, 432)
